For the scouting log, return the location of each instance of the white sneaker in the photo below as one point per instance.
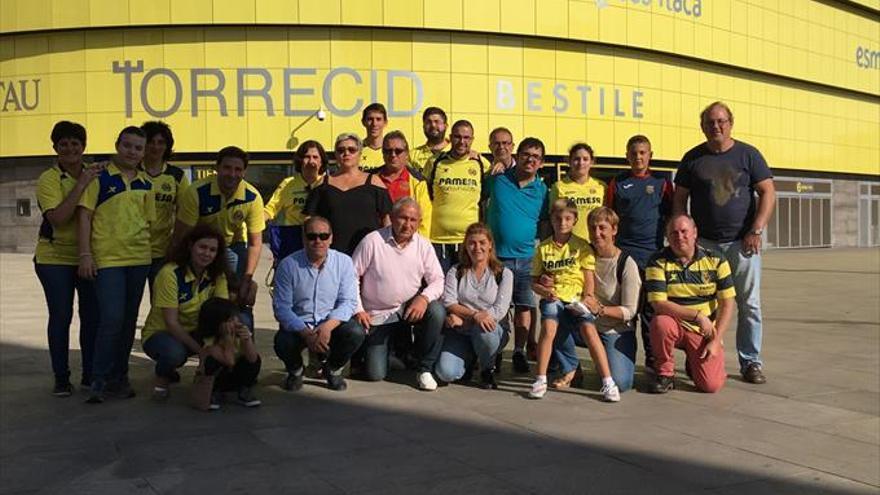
(610, 393)
(539, 389)
(427, 381)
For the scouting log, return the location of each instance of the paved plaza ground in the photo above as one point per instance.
(813, 428)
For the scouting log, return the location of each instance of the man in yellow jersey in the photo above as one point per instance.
(434, 126)
(455, 184)
(586, 192)
(692, 291)
(374, 119)
(403, 181)
(168, 181)
(233, 207)
(501, 146)
(114, 218)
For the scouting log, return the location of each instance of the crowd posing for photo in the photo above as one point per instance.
(432, 258)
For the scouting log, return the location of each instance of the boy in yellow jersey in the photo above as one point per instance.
(114, 219)
(374, 119)
(562, 274)
(59, 190)
(586, 192)
(455, 186)
(233, 207)
(285, 208)
(434, 126)
(168, 181)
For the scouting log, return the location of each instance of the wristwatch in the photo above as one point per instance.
(757, 232)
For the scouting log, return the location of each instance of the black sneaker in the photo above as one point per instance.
(754, 374)
(247, 398)
(216, 400)
(662, 385)
(335, 382)
(520, 364)
(292, 382)
(487, 380)
(62, 388)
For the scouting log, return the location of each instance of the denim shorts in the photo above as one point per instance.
(555, 310)
(522, 281)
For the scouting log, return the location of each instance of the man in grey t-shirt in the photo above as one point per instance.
(732, 197)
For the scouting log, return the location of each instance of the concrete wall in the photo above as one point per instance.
(19, 181)
(844, 213)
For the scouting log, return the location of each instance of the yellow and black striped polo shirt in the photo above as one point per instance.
(698, 285)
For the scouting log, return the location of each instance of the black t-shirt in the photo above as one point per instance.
(722, 188)
(353, 213)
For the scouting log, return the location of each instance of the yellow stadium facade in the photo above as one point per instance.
(802, 78)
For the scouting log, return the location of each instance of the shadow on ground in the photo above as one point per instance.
(374, 438)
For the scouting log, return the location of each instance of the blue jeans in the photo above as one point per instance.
(619, 347)
(59, 283)
(746, 272)
(428, 342)
(522, 281)
(119, 291)
(236, 258)
(168, 352)
(462, 346)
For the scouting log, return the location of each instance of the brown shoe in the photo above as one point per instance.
(563, 381)
(754, 374)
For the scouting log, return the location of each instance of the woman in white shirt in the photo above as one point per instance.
(476, 296)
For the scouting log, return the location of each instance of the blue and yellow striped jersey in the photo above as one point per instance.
(698, 285)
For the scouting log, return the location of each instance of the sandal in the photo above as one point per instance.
(564, 381)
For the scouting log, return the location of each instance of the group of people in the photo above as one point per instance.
(431, 256)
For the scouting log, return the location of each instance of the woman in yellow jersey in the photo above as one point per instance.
(194, 273)
(586, 192)
(59, 189)
(284, 211)
(562, 274)
(168, 181)
(114, 218)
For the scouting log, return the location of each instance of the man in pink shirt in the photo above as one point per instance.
(400, 286)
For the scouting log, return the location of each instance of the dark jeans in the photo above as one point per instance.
(59, 283)
(119, 291)
(243, 374)
(344, 341)
(428, 342)
(155, 266)
(168, 352)
(447, 254)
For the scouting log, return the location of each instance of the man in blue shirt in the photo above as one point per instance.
(731, 192)
(517, 202)
(643, 201)
(314, 301)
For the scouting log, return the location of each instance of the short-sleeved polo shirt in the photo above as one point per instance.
(514, 213)
(697, 285)
(587, 196)
(55, 245)
(122, 213)
(285, 207)
(234, 216)
(456, 186)
(177, 287)
(566, 263)
(167, 186)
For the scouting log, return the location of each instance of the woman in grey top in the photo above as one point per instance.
(617, 285)
(476, 296)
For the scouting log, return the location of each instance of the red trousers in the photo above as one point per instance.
(667, 333)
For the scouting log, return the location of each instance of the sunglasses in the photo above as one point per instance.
(350, 150)
(393, 151)
(314, 236)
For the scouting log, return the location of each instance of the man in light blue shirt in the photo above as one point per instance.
(314, 301)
